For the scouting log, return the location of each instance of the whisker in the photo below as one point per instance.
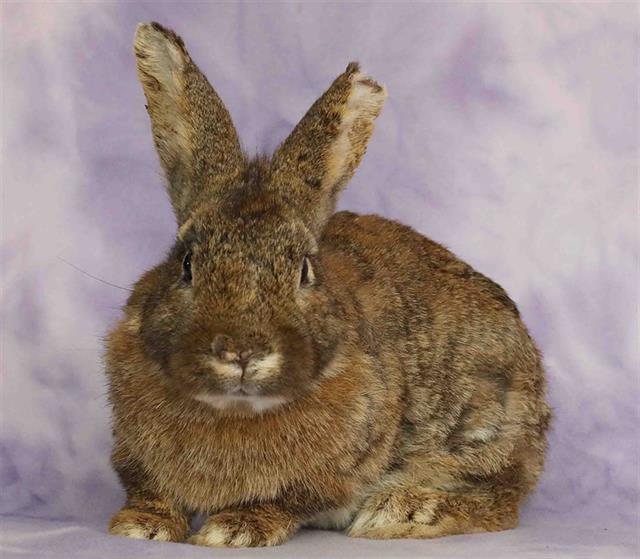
(92, 276)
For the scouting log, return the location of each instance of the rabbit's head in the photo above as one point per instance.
(228, 314)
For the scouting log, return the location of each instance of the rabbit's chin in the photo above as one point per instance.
(241, 403)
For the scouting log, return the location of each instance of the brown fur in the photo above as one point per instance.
(410, 397)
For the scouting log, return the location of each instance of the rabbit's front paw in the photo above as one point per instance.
(148, 526)
(259, 527)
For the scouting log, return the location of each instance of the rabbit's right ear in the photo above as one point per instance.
(192, 130)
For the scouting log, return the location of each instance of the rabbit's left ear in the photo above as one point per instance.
(321, 154)
(192, 129)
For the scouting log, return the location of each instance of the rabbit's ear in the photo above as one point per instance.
(319, 157)
(192, 130)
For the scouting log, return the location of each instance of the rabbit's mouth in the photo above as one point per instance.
(238, 387)
(242, 374)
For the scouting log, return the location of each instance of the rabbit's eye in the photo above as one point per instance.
(306, 273)
(186, 267)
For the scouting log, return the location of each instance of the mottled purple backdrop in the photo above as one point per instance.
(510, 135)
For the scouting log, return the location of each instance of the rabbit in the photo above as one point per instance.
(288, 366)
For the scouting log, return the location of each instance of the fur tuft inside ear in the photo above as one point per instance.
(161, 55)
(362, 107)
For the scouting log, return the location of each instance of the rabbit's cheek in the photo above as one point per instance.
(224, 370)
(264, 368)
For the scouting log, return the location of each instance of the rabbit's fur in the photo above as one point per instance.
(388, 388)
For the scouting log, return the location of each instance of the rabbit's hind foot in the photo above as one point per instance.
(427, 513)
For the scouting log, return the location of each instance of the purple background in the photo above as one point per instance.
(510, 135)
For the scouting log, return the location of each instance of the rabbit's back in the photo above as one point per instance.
(472, 380)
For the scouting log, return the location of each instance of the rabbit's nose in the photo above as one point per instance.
(244, 358)
(222, 348)
(225, 350)
(229, 356)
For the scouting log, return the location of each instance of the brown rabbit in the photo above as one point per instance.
(287, 365)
